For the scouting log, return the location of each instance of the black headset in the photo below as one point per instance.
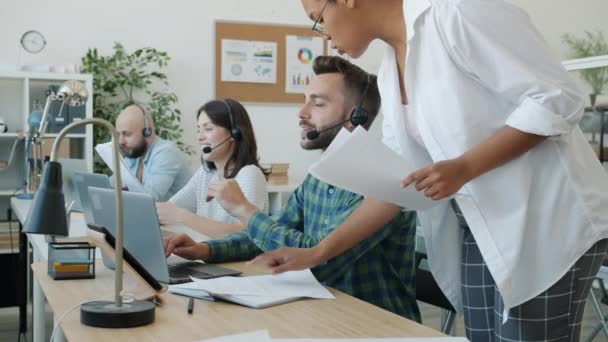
(146, 132)
(235, 132)
(360, 115)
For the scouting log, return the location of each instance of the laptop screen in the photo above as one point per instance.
(141, 229)
(82, 182)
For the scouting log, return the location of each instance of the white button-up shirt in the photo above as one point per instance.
(474, 66)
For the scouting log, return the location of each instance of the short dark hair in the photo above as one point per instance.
(355, 81)
(246, 150)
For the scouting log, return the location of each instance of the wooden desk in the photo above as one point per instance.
(21, 208)
(344, 316)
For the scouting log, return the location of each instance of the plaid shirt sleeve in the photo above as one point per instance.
(335, 268)
(269, 234)
(233, 247)
(241, 245)
(287, 230)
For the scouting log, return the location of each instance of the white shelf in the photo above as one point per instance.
(586, 63)
(69, 135)
(18, 91)
(9, 192)
(45, 75)
(281, 188)
(47, 135)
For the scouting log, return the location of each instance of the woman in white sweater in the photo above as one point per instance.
(229, 150)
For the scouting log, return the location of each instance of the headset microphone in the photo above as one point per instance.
(314, 134)
(208, 149)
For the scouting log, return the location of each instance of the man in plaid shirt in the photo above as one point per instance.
(381, 269)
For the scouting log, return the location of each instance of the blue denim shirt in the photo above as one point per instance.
(166, 170)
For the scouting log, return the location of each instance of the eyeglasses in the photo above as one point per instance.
(317, 26)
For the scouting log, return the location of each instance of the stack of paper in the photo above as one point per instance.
(263, 291)
(128, 180)
(264, 336)
(361, 164)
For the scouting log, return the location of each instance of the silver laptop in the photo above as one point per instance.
(142, 237)
(69, 167)
(82, 182)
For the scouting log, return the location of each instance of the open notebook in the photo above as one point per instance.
(264, 336)
(256, 302)
(257, 291)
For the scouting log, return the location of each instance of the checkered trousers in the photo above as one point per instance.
(554, 315)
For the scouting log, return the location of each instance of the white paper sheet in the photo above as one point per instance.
(255, 336)
(249, 61)
(128, 180)
(361, 164)
(288, 284)
(390, 339)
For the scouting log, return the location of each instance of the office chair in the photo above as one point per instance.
(602, 325)
(428, 291)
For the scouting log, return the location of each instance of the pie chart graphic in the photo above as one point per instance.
(305, 55)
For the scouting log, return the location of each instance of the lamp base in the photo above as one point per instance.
(105, 314)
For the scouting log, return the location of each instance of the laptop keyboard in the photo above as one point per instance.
(186, 269)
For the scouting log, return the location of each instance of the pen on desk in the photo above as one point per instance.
(190, 305)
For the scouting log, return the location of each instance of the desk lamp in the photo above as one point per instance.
(72, 93)
(48, 216)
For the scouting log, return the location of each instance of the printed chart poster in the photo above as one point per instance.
(300, 51)
(249, 61)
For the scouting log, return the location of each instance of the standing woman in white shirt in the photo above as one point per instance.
(229, 150)
(473, 97)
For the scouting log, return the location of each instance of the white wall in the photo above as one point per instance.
(184, 28)
(556, 17)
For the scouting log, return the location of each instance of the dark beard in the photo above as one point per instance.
(138, 150)
(323, 141)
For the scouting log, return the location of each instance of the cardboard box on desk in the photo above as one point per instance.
(64, 148)
(279, 173)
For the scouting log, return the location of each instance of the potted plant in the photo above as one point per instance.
(123, 78)
(592, 44)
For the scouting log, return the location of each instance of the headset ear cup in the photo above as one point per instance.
(147, 132)
(236, 134)
(359, 116)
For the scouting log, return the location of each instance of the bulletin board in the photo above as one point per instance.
(257, 92)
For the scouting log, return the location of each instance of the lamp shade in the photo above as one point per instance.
(47, 214)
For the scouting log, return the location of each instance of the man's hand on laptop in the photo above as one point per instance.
(228, 193)
(183, 246)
